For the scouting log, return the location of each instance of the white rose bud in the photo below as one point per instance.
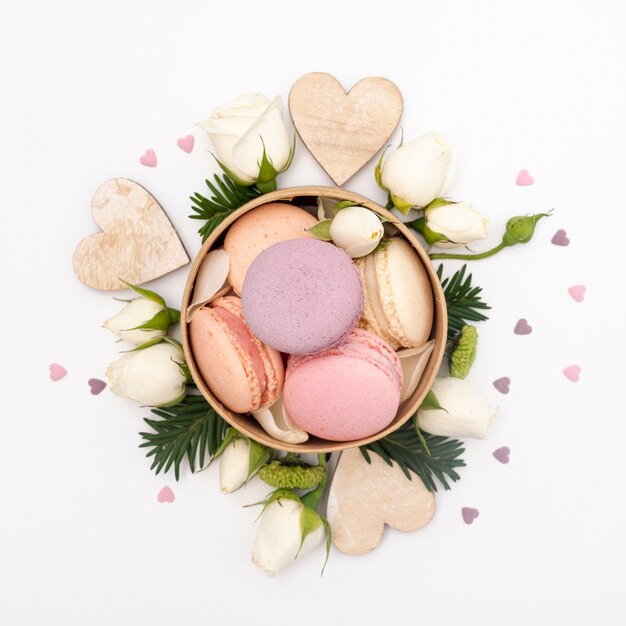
(135, 313)
(452, 224)
(466, 413)
(154, 376)
(357, 230)
(234, 465)
(418, 172)
(242, 130)
(279, 536)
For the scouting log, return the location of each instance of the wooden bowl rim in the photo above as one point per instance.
(247, 425)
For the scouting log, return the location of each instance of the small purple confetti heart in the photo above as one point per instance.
(469, 514)
(57, 372)
(572, 372)
(560, 238)
(523, 327)
(502, 384)
(502, 454)
(166, 495)
(96, 385)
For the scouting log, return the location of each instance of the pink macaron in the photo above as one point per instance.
(347, 392)
(242, 372)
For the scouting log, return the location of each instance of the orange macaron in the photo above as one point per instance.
(242, 372)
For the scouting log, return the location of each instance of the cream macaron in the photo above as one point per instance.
(398, 295)
(259, 229)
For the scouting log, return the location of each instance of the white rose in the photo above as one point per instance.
(356, 230)
(239, 131)
(135, 313)
(466, 413)
(234, 465)
(458, 222)
(418, 172)
(279, 536)
(153, 376)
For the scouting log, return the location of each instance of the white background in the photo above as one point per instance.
(87, 87)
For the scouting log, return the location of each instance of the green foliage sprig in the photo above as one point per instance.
(190, 429)
(227, 196)
(463, 301)
(437, 459)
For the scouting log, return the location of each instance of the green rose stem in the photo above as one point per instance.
(519, 229)
(312, 498)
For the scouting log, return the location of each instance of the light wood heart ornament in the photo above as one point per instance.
(364, 497)
(138, 242)
(344, 131)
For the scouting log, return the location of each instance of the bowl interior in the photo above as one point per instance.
(246, 424)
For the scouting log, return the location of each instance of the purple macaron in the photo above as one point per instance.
(302, 296)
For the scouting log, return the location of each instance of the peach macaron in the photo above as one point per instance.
(259, 229)
(242, 372)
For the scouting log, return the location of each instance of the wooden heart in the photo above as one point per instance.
(364, 497)
(138, 242)
(344, 131)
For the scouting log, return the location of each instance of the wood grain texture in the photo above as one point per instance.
(364, 497)
(344, 131)
(137, 244)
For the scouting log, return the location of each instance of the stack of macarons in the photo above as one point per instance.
(307, 323)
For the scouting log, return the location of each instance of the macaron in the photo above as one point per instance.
(398, 295)
(302, 296)
(243, 373)
(347, 392)
(259, 229)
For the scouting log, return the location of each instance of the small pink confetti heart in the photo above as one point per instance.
(149, 158)
(469, 514)
(502, 454)
(502, 384)
(577, 292)
(96, 385)
(572, 372)
(524, 179)
(166, 495)
(523, 327)
(57, 372)
(560, 238)
(186, 143)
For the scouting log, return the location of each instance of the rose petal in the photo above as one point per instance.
(211, 280)
(413, 362)
(277, 423)
(324, 208)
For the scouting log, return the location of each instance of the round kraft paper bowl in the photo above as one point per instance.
(246, 424)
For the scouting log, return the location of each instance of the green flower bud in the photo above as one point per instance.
(520, 229)
(462, 359)
(289, 473)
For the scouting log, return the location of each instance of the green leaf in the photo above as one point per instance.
(267, 171)
(430, 402)
(182, 433)
(259, 455)
(227, 196)
(438, 202)
(463, 302)
(329, 541)
(434, 461)
(146, 293)
(378, 170)
(382, 244)
(292, 151)
(310, 521)
(160, 321)
(321, 230)
(344, 204)
(146, 344)
(174, 315)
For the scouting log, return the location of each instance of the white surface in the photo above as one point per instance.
(537, 85)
